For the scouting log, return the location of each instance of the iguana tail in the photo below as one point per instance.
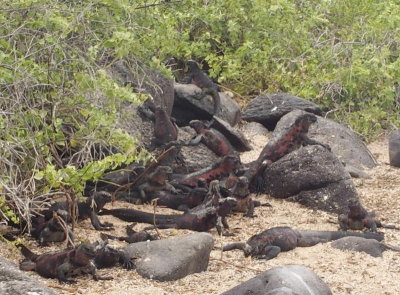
(27, 253)
(233, 246)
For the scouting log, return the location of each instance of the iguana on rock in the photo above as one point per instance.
(211, 213)
(197, 77)
(63, 264)
(358, 218)
(269, 243)
(223, 168)
(211, 138)
(294, 138)
(165, 129)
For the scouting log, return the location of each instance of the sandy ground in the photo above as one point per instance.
(346, 272)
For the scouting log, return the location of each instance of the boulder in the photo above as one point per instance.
(344, 142)
(172, 259)
(13, 281)
(282, 280)
(394, 148)
(268, 109)
(194, 157)
(234, 136)
(188, 107)
(369, 246)
(312, 176)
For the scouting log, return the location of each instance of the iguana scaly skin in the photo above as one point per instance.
(358, 218)
(211, 138)
(294, 138)
(200, 79)
(165, 130)
(62, 264)
(269, 243)
(86, 209)
(211, 213)
(132, 235)
(219, 170)
(155, 182)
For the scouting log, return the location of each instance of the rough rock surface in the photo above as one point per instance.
(13, 281)
(195, 157)
(268, 109)
(172, 259)
(369, 246)
(312, 176)
(187, 107)
(394, 148)
(282, 280)
(235, 136)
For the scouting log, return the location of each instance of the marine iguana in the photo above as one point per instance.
(269, 243)
(358, 218)
(179, 200)
(106, 256)
(241, 193)
(62, 264)
(200, 79)
(54, 231)
(155, 182)
(211, 138)
(133, 236)
(211, 213)
(295, 137)
(227, 165)
(165, 130)
(86, 209)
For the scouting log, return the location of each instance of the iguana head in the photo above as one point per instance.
(192, 65)
(197, 125)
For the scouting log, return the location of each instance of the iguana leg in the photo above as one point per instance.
(27, 265)
(269, 253)
(250, 210)
(222, 223)
(97, 224)
(343, 222)
(92, 269)
(309, 141)
(370, 223)
(64, 272)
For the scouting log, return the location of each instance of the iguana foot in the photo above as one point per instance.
(228, 234)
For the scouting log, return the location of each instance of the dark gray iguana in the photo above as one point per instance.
(197, 77)
(269, 243)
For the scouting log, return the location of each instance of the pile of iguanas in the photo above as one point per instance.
(207, 197)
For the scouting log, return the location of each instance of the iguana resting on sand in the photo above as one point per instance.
(133, 236)
(269, 243)
(358, 218)
(294, 138)
(211, 213)
(86, 209)
(63, 264)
